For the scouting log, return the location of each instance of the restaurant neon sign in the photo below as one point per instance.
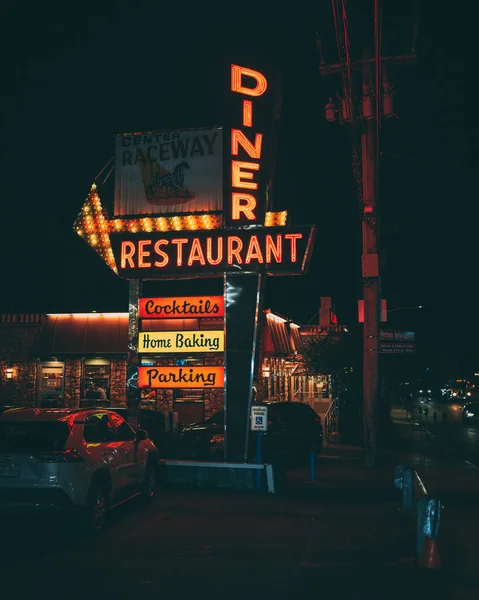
(282, 250)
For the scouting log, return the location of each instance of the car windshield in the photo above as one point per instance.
(27, 436)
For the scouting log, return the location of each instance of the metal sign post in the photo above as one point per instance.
(259, 423)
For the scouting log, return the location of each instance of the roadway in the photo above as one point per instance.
(459, 439)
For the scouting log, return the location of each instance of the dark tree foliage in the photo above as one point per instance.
(334, 353)
(338, 354)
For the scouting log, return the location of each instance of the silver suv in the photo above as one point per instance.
(60, 458)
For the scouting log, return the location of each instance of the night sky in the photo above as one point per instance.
(72, 79)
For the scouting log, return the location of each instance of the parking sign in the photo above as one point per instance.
(259, 418)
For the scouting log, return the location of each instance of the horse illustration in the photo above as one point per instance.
(172, 182)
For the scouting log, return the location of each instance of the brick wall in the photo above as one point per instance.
(20, 389)
(72, 381)
(118, 382)
(17, 336)
(214, 398)
(164, 400)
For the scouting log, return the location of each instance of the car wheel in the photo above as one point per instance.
(98, 506)
(148, 490)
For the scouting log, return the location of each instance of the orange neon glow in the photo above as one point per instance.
(273, 219)
(237, 174)
(254, 251)
(235, 245)
(142, 254)
(127, 254)
(179, 242)
(275, 249)
(87, 315)
(293, 237)
(243, 203)
(85, 224)
(163, 255)
(181, 377)
(238, 138)
(247, 113)
(182, 307)
(196, 253)
(209, 252)
(238, 72)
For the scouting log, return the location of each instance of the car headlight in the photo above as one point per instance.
(469, 414)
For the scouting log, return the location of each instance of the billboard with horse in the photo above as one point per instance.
(160, 172)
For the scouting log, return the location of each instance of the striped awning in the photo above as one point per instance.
(281, 339)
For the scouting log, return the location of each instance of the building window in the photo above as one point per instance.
(51, 384)
(95, 383)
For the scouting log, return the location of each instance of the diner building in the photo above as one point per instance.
(51, 360)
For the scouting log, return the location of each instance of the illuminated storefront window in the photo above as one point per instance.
(95, 384)
(51, 384)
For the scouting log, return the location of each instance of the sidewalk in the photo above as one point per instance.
(447, 477)
(341, 536)
(342, 481)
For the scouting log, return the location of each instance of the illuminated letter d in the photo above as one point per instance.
(236, 86)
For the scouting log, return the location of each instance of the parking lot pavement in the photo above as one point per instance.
(341, 536)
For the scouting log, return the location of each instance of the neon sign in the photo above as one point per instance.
(160, 342)
(181, 377)
(246, 151)
(182, 307)
(274, 250)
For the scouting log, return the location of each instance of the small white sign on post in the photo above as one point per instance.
(259, 418)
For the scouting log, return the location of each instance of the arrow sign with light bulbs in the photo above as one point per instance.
(98, 230)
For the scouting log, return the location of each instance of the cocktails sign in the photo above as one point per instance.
(182, 307)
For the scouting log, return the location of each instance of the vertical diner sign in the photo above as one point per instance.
(245, 198)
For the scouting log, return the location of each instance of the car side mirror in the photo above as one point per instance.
(141, 434)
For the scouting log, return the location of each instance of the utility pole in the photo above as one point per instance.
(374, 107)
(370, 278)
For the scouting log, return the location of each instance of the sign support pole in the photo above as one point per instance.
(258, 459)
(132, 388)
(243, 295)
(312, 465)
